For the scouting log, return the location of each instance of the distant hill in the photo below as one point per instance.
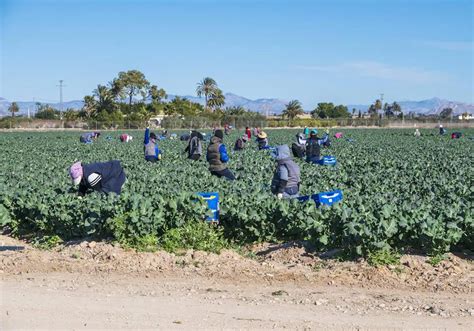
(426, 107)
(271, 105)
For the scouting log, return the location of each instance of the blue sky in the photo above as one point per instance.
(341, 51)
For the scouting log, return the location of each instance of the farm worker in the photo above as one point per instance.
(227, 129)
(87, 138)
(248, 133)
(417, 133)
(262, 140)
(103, 177)
(185, 136)
(256, 131)
(313, 148)
(194, 147)
(125, 138)
(299, 147)
(324, 141)
(217, 157)
(150, 147)
(456, 135)
(441, 129)
(240, 143)
(286, 178)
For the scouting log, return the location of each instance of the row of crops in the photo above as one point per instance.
(399, 191)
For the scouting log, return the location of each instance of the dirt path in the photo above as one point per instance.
(95, 286)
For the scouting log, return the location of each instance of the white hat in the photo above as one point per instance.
(93, 179)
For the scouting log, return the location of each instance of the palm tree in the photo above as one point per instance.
(90, 106)
(206, 87)
(14, 108)
(216, 99)
(105, 98)
(293, 109)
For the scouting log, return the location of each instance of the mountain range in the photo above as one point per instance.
(271, 105)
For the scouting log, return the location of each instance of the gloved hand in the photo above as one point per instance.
(280, 196)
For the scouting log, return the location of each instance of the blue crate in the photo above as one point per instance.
(212, 199)
(323, 198)
(328, 161)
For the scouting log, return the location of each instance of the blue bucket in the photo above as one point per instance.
(212, 199)
(323, 198)
(328, 161)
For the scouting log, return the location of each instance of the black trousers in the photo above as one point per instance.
(226, 173)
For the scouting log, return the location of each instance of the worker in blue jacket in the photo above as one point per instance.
(217, 157)
(152, 152)
(106, 177)
(88, 138)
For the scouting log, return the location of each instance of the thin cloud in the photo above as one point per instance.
(380, 71)
(450, 45)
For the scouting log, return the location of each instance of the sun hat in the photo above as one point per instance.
(262, 135)
(314, 131)
(76, 173)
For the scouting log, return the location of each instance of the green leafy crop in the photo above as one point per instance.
(399, 191)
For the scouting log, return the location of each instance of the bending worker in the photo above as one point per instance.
(217, 157)
(286, 178)
(106, 177)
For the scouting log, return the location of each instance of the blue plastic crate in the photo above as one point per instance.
(212, 199)
(323, 198)
(328, 160)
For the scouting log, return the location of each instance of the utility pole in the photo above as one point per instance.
(381, 102)
(61, 97)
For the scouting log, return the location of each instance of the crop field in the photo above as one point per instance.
(400, 191)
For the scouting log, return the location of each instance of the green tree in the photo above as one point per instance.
(339, 111)
(13, 108)
(396, 108)
(71, 115)
(105, 99)
(206, 87)
(323, 110)
(236, 111)
(90, 106)
(129, 84)
(216, 100)
(46, 112)
(446, 113)
(293, 109)
(378, 105)
(156, 94)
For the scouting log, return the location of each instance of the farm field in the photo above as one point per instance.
(399, 191)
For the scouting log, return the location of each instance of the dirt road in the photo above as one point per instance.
(94, 286)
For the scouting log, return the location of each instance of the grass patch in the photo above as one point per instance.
(47, 242)
(383, 257)
(436, 259)
(194, 235)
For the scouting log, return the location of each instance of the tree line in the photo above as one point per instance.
(130, 96)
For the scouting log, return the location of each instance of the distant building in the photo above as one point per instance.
(466, 116)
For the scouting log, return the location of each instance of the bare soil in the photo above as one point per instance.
(97, 285)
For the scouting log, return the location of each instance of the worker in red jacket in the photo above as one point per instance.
(248, 133)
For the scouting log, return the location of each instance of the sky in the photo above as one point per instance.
(341, 51)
